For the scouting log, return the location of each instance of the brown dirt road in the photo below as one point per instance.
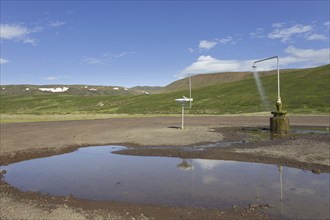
(23, 141)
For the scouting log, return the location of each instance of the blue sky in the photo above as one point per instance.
(129, 43)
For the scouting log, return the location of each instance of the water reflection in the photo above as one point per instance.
(280, 169)
(184, 165)
(96, 173)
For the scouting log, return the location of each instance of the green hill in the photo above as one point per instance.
(302, 91)
(203, 80)
(148, 89)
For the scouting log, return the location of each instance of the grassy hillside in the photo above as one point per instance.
(149, 89)
(203, 80)
(302, 91)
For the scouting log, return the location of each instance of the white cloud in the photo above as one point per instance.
(31, 41)
(18, 32)
(302, 58)
(122, 54)
(278, 25)
(209, 64)
(317, 37)
(191, 50)
(57, 23)
(91, 60)
(51, 78)
(306, 57)
(22, 33)
(327, 24)
(56, 78)
(258, 34)
(106, 57)
(226, 40)
(3, 61)
(286, 34)
(9, 32)
(206, 45)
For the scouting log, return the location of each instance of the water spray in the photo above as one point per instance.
(261, 89)
(279, 124)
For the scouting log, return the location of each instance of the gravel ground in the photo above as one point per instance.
(23, 141)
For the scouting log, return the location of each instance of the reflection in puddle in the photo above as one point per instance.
(96, 173)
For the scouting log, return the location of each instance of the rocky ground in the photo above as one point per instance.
(247, 138)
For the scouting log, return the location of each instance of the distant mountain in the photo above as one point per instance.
(203, 80)
(148, 89)
(198, 81)
(211, 79)
(85, 90)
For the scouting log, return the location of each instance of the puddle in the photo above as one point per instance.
(95, 173)
(307, 131)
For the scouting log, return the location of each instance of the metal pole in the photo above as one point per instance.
(190, 88)
(278, 80)
(182, 121)
(265, 59)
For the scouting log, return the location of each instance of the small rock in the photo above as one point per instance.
(143, 216)
(265, 206)
(316, 171)
(251, 205)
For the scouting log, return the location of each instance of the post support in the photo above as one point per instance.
(182, 120)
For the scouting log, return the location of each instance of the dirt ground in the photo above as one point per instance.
(22, 141)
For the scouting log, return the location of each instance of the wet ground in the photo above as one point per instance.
(221, 139)
(305, 147)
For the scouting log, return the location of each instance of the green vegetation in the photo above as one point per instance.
(204, 80)
(305, 91)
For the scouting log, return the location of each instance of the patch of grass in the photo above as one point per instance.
(5, 118)
(302, 91)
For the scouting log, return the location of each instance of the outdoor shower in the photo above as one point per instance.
(279, 124)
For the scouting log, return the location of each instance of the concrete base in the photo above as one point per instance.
(279, 124)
